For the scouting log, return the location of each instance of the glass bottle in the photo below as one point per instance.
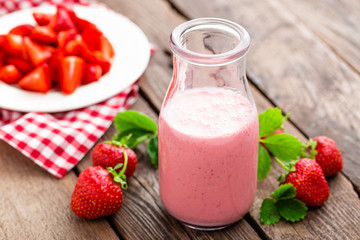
(208, 127)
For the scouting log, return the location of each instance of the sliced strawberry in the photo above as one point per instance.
(75, 46)
(23, 30)
(38, 80)
(42, 18)
(37, 54)
(99, 59)
(21, 64)
(2, 41)
(43, 35)
(2, 57)
(62, 20)
(93, 72)
(82, 24)
(64, 37)
(92, 37)
(72, 71)
(12, 44)
(106, 48)
(54, 64)
(10, 74)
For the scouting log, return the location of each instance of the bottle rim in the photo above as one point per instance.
(233, 54)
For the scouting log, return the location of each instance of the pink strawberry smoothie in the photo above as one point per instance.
(208, 146)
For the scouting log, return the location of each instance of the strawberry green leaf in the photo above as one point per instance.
(264, 163)
(285, 191)
(268, 212)
(291, 209)
(127, 120)
(137, 136)
(270, 121)
(153, 151)
(284, 146)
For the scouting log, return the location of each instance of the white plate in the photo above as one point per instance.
(132, 52)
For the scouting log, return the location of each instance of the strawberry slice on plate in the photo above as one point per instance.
(93, 72)
(10, 74)
(71, 73)
(54, 64)
(38, 80)
(64, 37)
(12, 44)
(22, 30)
(42, 18)
(43, 35)
(20, 63)
(37, 53)
(106, 48)
(62, 20)
(92, 37)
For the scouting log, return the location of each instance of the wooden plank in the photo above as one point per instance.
(157, 76)
(142, 215)
(336, 208)
(35, 205)
(335, 22)
(297, 71)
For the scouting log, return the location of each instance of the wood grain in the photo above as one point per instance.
(297, 71)
(142, 215)
(158, 76)
(337, 23)
(35, 205)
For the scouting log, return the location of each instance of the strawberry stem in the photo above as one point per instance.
(120, 177)
(282, 164)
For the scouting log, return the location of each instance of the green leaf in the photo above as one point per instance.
(137, 136)
(268, 212)
(269, 121)
(127, 120)
(264, 163)
(291, 209)
(284, 146)
(153, 151)
(285, 191)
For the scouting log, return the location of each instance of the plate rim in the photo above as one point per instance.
(4, 104)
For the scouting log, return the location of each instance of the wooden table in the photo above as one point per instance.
(304, 58)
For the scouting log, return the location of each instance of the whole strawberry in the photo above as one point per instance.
(110, 154)
(328, 155)
(98, 192)
(309, 181)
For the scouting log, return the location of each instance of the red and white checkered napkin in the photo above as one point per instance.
(58, 141)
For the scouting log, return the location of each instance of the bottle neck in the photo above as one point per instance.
(189, 75)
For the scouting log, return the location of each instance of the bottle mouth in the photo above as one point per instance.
(210, 41)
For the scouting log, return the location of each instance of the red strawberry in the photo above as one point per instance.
(92, 73)
(71, 73)
(38, 80)
(92, 37)
(109, 154)
(328, 155)
(37, 53)
(22, 30)
(10, 74)
(97, 193)
(20, 63)
(42, 18)
(62, 20)
(12, 44)
(108, 53)
(309, 181)
(44, 35)
(64, 37)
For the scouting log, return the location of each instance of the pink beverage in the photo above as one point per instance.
(208, 127)
(208, 140)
